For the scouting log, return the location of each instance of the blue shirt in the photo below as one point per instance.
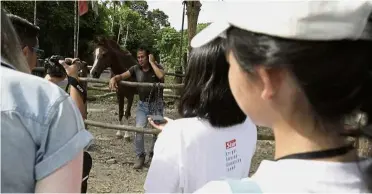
(41, 130)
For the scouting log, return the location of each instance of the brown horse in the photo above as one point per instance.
(109, 54)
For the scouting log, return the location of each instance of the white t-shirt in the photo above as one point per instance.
(189, 152)
(299, 176)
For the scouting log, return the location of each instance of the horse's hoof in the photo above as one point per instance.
(119, 135)
(127, 139)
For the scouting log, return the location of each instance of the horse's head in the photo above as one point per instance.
(101, 61)
(109, 54)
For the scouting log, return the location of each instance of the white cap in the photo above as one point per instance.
(302, 19)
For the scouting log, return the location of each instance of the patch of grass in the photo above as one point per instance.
(95, 92)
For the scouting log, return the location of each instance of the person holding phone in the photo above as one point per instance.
(147, 70)
(213, 140)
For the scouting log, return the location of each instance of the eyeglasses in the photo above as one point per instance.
(39, 52)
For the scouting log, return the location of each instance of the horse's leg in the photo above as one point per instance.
(129, 95)
(120, 98)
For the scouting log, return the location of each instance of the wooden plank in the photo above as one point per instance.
(42, 69)
(112, 94)
(146, 130)
(132, 84)
(121, 127)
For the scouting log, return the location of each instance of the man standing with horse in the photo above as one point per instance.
(147, 70)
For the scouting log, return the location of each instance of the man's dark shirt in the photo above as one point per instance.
(148, 76)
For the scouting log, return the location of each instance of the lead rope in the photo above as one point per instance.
(159, 100)
(155, 106)
(148, 100)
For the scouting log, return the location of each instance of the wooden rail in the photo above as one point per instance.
(42, 69)
(132, 84)
(91, 98)
(121, 127)
(108, 90)
(147, 130)
(108, 70)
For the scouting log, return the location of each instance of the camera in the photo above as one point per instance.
(53, 67)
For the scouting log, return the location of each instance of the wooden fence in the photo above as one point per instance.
(133, 84)
(40, 71)
(166, 73)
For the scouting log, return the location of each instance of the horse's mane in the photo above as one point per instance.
(112, 45)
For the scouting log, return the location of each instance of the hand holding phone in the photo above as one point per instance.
(158, 122)
(157, 119)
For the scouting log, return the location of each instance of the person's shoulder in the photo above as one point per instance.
(136, 66)
(246, 129)
(177, 128)
(28, 94)
(133, 68)
(185, 124)
(188, 129)
(248, 123)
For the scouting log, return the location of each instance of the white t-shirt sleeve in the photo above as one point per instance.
(164, 173)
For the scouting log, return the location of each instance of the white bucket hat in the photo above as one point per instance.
(295, 19)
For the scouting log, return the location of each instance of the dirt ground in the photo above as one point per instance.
(113, 158)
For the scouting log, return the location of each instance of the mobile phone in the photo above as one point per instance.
(157, 119)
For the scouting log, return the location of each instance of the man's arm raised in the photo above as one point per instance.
(158, 71)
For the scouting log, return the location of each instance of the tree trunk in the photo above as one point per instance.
(193, 9)
(113, 18)
(119, 33)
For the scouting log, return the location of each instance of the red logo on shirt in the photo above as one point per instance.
(230, 144)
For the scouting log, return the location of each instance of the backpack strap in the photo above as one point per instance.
(244, 186)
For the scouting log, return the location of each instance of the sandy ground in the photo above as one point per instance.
(113, 158)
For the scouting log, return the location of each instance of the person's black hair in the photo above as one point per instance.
(335, 76)
(143, 48)
(206, 93)
(27, 32)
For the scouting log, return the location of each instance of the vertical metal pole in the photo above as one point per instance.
(75, 22)
(182, 27)
(35, 13)
(77, 34)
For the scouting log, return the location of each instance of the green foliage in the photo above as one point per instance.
(158, 18)
(56, 22)
(169, 45)
(140, 7)
(201, 26)
(148, 28)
